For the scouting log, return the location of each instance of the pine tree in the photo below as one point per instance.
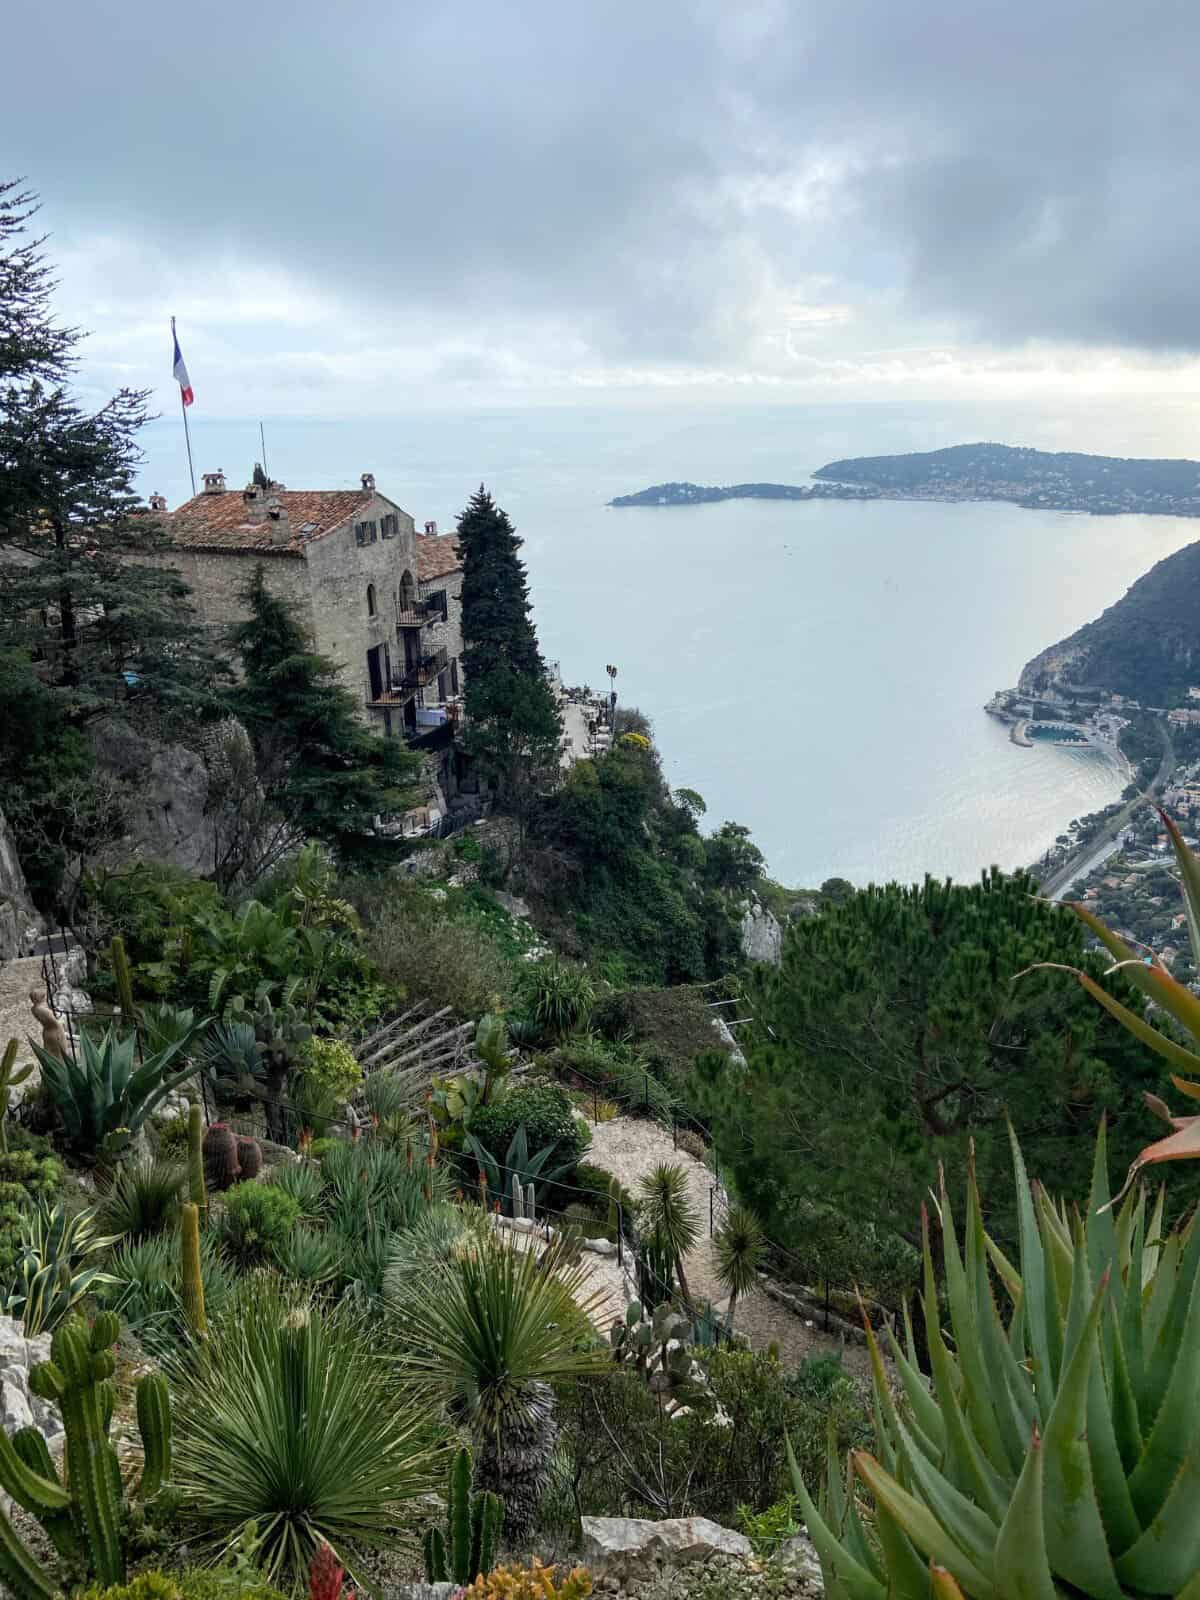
(322, 773)
(512, 720)
(104, 629)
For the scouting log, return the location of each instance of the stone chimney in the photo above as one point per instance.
(431, 530)
(214, 482)
(277, 520)
(158, 502)
(368, 482)
(254, 502)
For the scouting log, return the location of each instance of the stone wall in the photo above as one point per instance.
(447, 635)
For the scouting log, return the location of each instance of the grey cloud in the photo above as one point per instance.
(1024, 169)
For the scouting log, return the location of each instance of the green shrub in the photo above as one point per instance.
(333, 1068)
(616, 1069)
(472, 967)
(295, 1420)
(256, 1222)
(545, 1111)
(193, 1583)
(172, 1137)
(767, 1530)
(25, 1177)
(669, 1027)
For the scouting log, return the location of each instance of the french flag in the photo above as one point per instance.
(180, 370)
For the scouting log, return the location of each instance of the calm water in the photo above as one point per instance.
(815, 671)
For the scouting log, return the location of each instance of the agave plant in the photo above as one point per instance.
(106, 1095)
(143, 1198)
(1055, 1451)
(1148, 975)
(50, 1276)
(518, 1163)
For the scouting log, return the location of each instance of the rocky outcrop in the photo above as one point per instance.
(762, 936)
(633, 1548)
(18, 919)
(18, 1407)
(169, 787)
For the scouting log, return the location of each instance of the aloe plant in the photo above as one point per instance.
(1055, 1450)
(1148, 975)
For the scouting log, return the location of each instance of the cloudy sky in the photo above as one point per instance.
(353, 207)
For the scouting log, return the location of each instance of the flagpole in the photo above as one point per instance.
(186, 434)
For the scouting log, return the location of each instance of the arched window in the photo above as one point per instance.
(370, 599)
(408, 591)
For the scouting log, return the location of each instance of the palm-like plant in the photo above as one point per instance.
(739, 1246)
(487, 1333)
(672, 1219)
(291, 1419)
(560, 996)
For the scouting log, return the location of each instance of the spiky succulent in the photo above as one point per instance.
(1055, 1450)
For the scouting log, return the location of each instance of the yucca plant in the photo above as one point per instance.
(668, 1214)
(1148, 975)
(143, 1198)
(291, 1418)
(487, 1332)
(739, 1246)
(52, 1275)
(1055, 1451)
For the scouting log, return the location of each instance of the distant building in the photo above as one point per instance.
(376, 596)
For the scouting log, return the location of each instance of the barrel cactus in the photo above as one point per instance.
(220, 1147)
(1054, 1451)
(249, 1157)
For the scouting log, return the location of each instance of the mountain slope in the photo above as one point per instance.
(1146, 646)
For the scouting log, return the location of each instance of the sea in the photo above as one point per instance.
(815, 671)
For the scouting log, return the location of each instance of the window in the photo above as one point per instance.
(408, 592)
(370, 599)
(389, 527)
(364, 533)
(454, 676)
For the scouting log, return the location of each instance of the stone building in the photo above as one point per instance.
(376, 596)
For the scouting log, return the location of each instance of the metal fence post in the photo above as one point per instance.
(711, 1192)
(620, 1235)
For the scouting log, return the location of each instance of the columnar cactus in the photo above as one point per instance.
(86, 1520)
(123, 978)
(221, 1156)
(9, 1079)
(518, 1199)
(249, 1158)
(197, 1191)
(468, 1546)
(530, 1202)
(190, 1275)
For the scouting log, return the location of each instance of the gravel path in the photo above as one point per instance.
(630, 1147)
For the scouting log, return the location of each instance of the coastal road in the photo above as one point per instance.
(1105, 843)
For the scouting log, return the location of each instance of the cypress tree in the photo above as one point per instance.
(513, 726)
(324, 774)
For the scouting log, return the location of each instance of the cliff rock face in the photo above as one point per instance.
(170, 794)
(762, 937)
(1146, 646)
(17, 916)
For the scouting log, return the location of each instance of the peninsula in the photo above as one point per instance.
(696, 494)
(1037, 479)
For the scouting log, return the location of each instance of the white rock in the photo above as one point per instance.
(798, 1555)
(637, 1547)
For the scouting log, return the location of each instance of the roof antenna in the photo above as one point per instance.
(263, 441)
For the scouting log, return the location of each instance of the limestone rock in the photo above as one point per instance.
(634, 1547)
(18, 919)
(762, 936)
(798, 1555)
(513, 904)
(169, 783)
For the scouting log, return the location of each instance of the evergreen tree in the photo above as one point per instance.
(104, 629)
(323, 773)
(896, 1034)
(513, 725)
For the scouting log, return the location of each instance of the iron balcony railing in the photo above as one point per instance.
(420, 674)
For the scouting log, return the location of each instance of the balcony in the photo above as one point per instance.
(414, 615)
(421, 673)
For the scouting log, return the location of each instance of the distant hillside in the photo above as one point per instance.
(697, 494)
(1062, 480)
(1146, 646)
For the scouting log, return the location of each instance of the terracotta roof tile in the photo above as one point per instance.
(436, 557)
(222, 521)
